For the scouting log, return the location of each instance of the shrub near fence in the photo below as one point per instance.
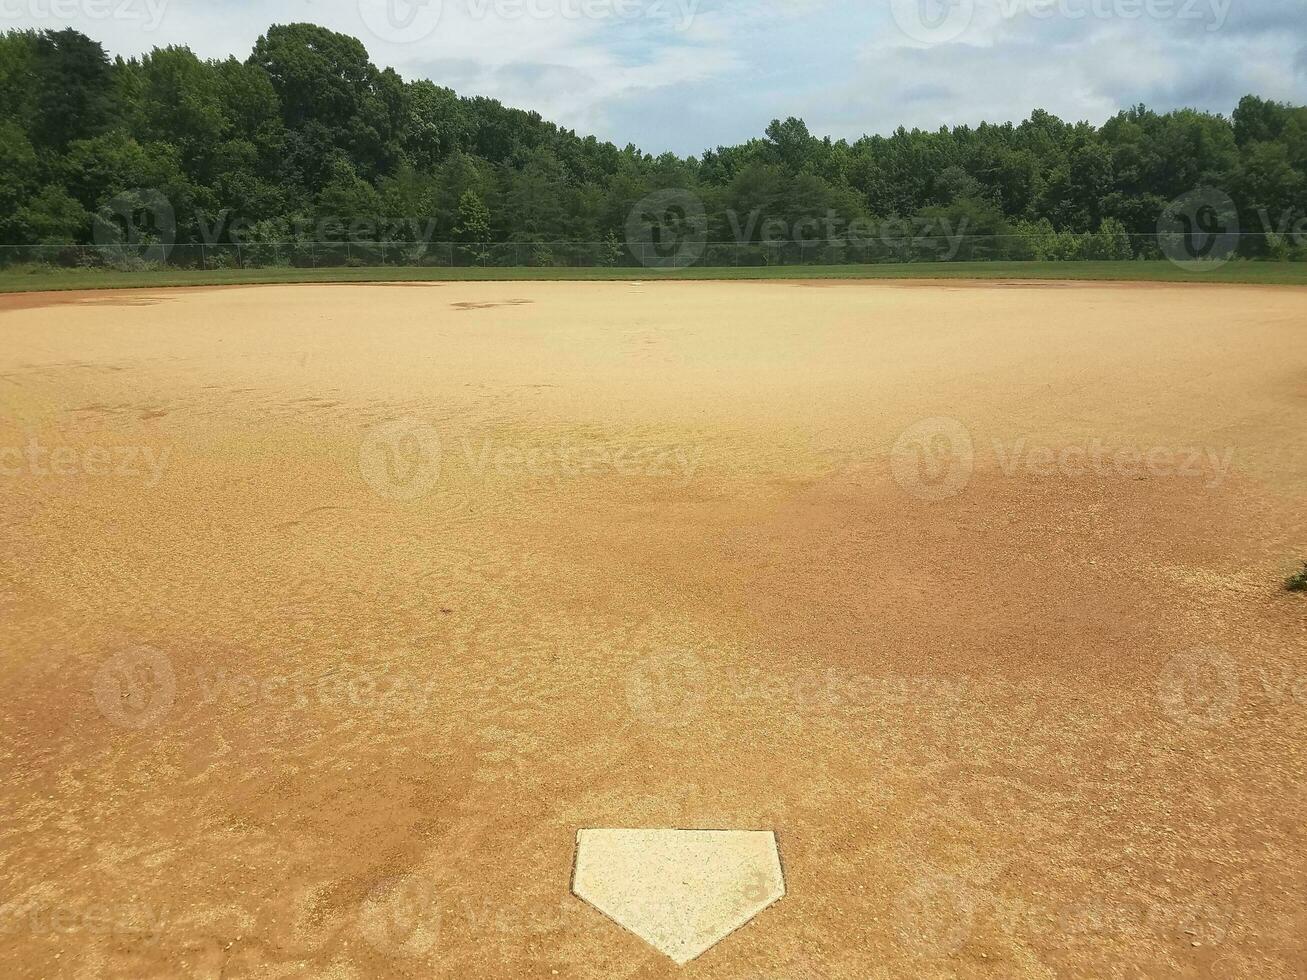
(1029, 242)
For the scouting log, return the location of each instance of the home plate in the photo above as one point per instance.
(681, 891)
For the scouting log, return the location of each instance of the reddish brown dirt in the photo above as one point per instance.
(280, 704)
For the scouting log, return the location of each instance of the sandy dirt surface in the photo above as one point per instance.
(329, 614)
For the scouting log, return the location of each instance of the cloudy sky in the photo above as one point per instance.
(683, 75)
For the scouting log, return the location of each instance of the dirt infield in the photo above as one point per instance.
(330, 613)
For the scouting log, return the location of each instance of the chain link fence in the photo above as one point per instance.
(143, 256)
(545, 254)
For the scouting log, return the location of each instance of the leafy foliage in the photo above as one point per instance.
(308, 140)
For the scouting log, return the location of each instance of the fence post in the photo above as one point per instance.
(204, 258)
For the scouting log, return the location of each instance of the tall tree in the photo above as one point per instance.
(72, 89)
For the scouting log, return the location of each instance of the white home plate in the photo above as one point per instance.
(681, 891)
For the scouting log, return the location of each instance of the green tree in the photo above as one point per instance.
(326, 84)
(308, 128)
(53, 217)
(435, 125)
(18, 175)
(1111, 242)
(72, 89)
(348, 206)
(472, 227)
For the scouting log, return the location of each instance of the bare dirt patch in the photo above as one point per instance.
(330, 614)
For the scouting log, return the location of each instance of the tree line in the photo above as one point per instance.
(308, 140)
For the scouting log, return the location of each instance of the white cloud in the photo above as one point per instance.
(685, 74)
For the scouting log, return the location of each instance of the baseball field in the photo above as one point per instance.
(330, 614)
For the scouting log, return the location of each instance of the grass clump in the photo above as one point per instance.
(1298, 581)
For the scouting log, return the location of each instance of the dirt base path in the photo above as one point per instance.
(330, 613)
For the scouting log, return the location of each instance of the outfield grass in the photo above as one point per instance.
(1267, 273)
